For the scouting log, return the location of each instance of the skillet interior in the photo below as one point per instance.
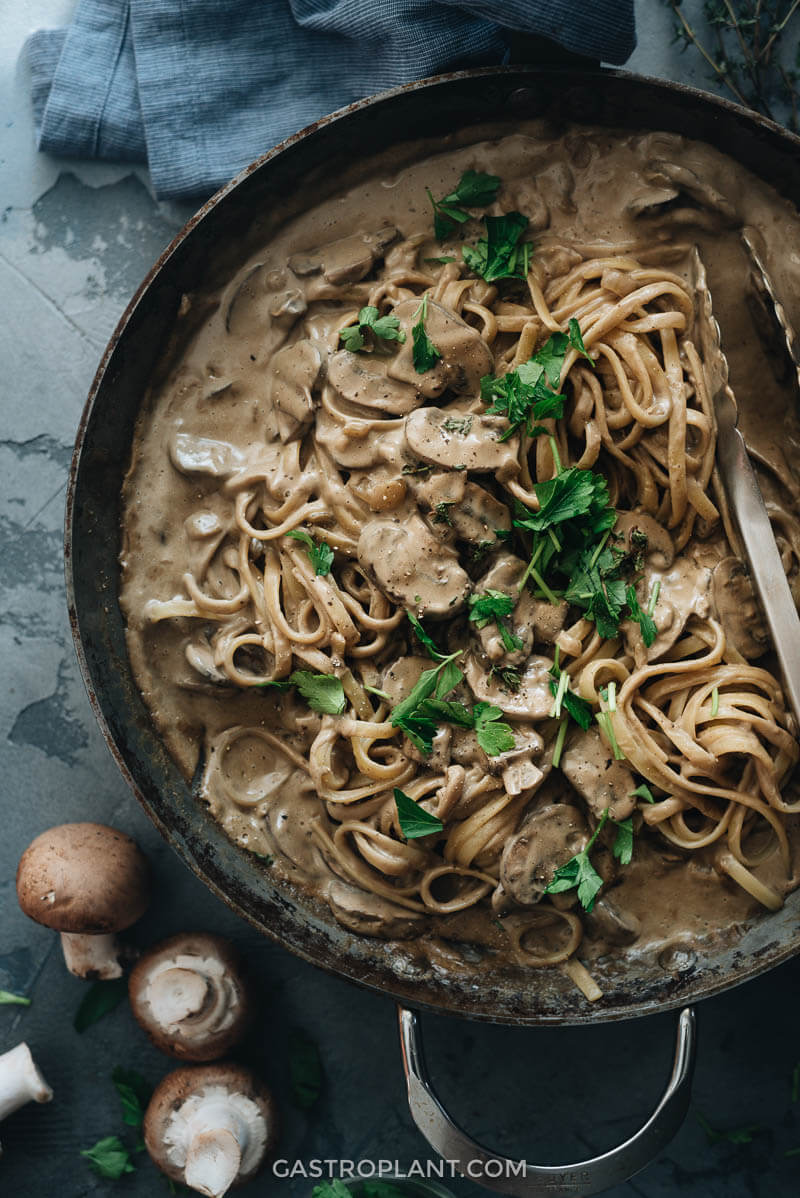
(246, 210)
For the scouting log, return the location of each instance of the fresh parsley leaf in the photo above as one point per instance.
(441, 261)
(323, 693)
(576, 340)
(110, 1158)
(134, 1092)
(573, 492)
(321, 555)
(643, 792)
(493, 737)
(436, 683)
(414, 820)
(331, 1189)
(645, 621)
(733, 1135)
(8, 999)
(623, 845)
(305, 1069)
(98, 1000)
(578, 709)
(474, 189)
(447, 712)
(574, 705)
(494, 605)
(425, 354)
(500, 255)
(426, 640)
(579, 872)
(387, 328)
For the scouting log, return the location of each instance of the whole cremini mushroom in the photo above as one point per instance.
(20, 1081)
(210, 1126)
(189, 995)
(87, 881)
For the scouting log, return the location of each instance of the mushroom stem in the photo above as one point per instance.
(177, 994)
(218, 1137)
(91, 956)
(20, 1081)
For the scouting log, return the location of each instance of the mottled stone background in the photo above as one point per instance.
(75, 240)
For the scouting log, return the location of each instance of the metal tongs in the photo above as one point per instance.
(739, 478)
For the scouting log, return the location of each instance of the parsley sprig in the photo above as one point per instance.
(579, 871)
(109, 1158)
(525, 395)
(494, 605)
(473, 190)
(369, 320)
(501, 254)
(320, 555)
(414, 820)
(324, 693)
(425, 355)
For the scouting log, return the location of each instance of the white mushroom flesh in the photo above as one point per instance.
(213, 1137)
(91, 956)
(192, 995)
(20, 1081)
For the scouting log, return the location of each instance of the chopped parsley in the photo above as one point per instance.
(387, 328)
(492, 736)
(604, 720)
(494, 605)
(321, 555)
(579, 871)
(425, 639)
(414, 820)
(523, 397)
(457, 424)
(425, 354)
(134, 1092)
(500, 254)
(643, 618)
(643, 792)
(323, 693)
(564, 698)
(9, 999)
(473, 190)
(441, 513)
(110, 1158)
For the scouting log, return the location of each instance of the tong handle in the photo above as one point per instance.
(504, 1175)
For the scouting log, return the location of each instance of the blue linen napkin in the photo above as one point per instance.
(199, 88)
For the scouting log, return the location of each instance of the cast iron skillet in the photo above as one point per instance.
(244, 211)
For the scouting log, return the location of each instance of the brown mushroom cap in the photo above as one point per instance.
(193, 1038)
(183, 1083)
(83, 878)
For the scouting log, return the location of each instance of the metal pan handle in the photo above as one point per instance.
(520, 1179)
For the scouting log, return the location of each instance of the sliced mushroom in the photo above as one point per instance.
(533, 700)
(210, 1126)
(400, 678)
(479, 517)
(737, 608)
(609, 923)
(465, 356)
(412, 567)
(684, 590)
(86, 881)
(364, 379)
(438, 489)
(346, 260)
(521, 768)
(546, 840)
(190, 996)
(202, 455)
(456, 439)
(601, 781)
(548, 620)
(673, 174)
(294, 371)
(370, 915)
(643, 536)
(504, 575)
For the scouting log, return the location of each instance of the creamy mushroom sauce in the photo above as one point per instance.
(210, 414)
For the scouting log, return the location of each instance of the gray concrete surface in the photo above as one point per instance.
(75, 239)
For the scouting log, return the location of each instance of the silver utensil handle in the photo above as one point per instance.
(520, 1179)
(768, 574)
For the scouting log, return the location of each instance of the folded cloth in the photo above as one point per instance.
(199, 88)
